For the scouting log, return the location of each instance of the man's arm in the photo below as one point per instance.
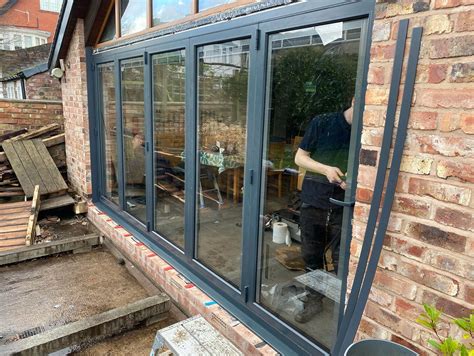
(333, 174)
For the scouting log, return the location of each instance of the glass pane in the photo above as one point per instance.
(168, 111)
(169, 10)
(107, 107)
(109, 30)
(207, 4)
(222, 109)
(310, 86)
(133, 16)
(133, 116)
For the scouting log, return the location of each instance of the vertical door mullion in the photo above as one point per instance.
(190, 141)
(97, 134)
(149, 144)
(252, 174)
(119, 133)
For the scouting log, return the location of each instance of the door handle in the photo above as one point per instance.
(348, 204)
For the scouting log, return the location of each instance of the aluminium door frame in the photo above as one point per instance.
(270, 328)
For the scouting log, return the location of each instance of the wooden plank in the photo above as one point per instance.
(12, 222)
(14, 228)
(14, 205)
(12, 244)
(14, 235)
(11, 194)
(30, 167)
(48, 142)
(54, 140)
(49, 163)
(49, 183)
(57, 202)
(35, 206)
(35, 133)
(13, 211)
(18, 167)
(12, 134)
(25, 215)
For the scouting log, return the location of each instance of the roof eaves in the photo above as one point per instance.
(63, 22)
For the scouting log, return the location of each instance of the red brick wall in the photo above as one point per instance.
(27, 14)
(76, 124)
(429, 247)
(32, 114)
(43, 87)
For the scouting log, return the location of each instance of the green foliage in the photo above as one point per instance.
(448, 346)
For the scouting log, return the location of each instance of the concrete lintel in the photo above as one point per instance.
(50, 248)
(93, 328)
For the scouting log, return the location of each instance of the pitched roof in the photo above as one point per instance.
(24, 62)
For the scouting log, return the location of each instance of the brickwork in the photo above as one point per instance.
(31, 114)
(42, 86)
(429, 246)
(190, 298)
(76, 124)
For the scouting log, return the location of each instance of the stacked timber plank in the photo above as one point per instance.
(18, 222)
(10, 186)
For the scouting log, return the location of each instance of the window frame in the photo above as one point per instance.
(257, 27)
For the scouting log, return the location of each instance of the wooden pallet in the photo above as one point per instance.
(33, 166)
(18, 222)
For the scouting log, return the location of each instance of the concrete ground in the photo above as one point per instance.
(39, 295)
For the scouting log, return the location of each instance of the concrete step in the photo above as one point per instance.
(94, 328)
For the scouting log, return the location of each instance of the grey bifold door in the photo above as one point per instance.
(234, 151)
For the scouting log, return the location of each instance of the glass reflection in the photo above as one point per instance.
(133, 116)
(207, 4)
(311, 81)
(169, 10)
(107, 107)
(133, 16)
(222, 110)
(169, 122)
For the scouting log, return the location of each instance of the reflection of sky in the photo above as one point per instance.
(169, 10)
(133, 16)
(206, 4)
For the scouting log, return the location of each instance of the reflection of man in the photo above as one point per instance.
(323, 153)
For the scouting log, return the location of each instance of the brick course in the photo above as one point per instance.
(429, 258)
(31, 114)
(76, 119)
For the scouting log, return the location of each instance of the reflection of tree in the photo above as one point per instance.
(308, 81)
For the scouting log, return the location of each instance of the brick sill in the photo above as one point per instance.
(189, 298)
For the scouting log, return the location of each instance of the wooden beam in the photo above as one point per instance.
(35, 133)
(118, 14)
(149, 14)
(35, 206)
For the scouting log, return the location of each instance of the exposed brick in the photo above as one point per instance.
(368, 157)
(436, 236)
(467, 123)
(416, 164)
(429, 278)
(437, 24)
(406, 343)
(423, 120)
(381, 31)
(394, 283)
(464, 21)
(372, 329)
(462, 73)
(382, 52)
(463, 170)
(440, 191)
(448, 122)
(452, 47)
(376, 75)
(453, 263)
(437, 73)
(445, 98)
(411, 207)
(376, 96)
(448, 306)
(469, 294)
(406, 248)
(454, 217)
(373, 118)
(364, 195)
(446, 146)
(441, 4)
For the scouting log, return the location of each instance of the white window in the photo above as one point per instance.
(43, 40)
(1, 42)
(28, 41)
(10, 90)
(37, 41)
(51, 5)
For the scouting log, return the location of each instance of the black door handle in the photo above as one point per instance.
(342, 203)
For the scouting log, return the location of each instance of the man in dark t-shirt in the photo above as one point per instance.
(323, 153)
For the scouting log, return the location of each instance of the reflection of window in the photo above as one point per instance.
(169, 10)
(17, 41)
(28, 41)
(207, 4)
(51, 5)
(133, 17)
